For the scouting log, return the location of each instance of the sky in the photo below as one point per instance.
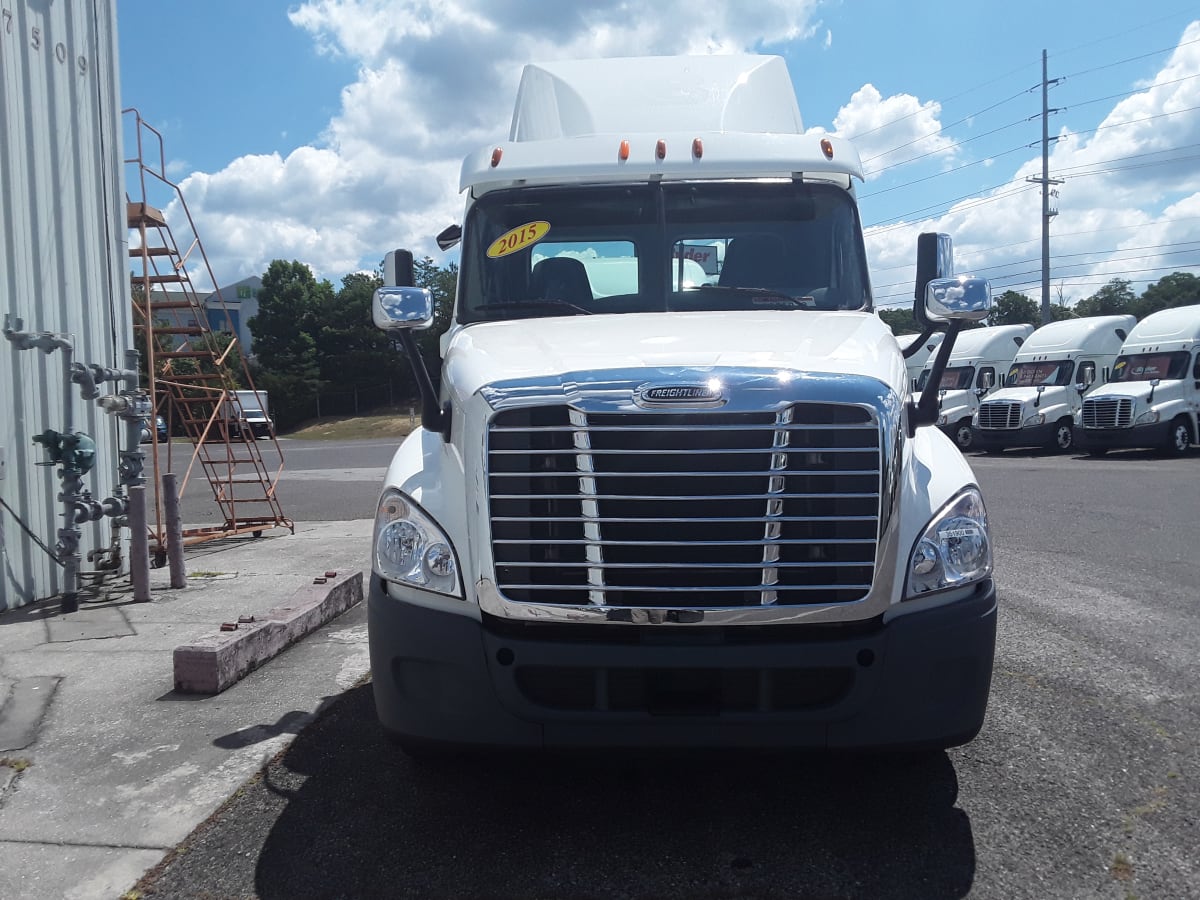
(330, 131)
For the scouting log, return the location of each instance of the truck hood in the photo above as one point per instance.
(1138, 390)
(1026, 394)
(840, 343)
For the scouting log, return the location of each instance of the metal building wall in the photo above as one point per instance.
(63, 267)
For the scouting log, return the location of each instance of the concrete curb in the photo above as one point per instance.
(212, 664)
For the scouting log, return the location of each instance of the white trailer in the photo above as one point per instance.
(980, 359)
(1044, 388)
(1153, 396)
(696, 511)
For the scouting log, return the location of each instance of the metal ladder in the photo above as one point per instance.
(191, 367)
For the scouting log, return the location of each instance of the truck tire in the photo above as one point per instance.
(962, 435)
(1064, 437)
(1179, 437)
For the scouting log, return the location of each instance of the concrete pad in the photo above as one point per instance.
(88, 624)
(71, 872)
(212, 664)
(22, 710)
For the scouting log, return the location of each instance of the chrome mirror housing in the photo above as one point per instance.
(402, 307)
(962, 298)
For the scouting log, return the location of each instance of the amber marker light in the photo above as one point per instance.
(660, 149)
(697, 148)
(623, 151)
(827, 148)
(496, 154)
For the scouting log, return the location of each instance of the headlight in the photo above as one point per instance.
(1039, 419)
(411, 548)
(1147, 418)
(955, 549)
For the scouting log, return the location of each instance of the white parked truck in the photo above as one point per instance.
(1153, 397)
(703, 511)
(1044, 388)
(980, 359)
(249, 411)
(921, 347)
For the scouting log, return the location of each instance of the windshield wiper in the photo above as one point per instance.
(561, 306)
(757, 294)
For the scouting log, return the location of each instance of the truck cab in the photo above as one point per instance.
(1044, 389)
(981, 357)
(673, 488)
(1153, 395)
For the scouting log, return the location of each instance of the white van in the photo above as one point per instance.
(916, 362)
(1060, 364)
(979, 354)
(1154, 393)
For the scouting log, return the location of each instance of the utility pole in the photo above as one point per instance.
(1045, 181)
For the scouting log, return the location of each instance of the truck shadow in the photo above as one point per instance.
(366, 821)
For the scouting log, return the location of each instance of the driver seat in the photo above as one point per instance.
(560, 278)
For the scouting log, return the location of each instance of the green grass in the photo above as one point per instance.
(350, 428)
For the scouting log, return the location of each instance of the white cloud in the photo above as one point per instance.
(890, 131)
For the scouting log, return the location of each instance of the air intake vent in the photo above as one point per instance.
(1000, 415)
(689, 509)
(1106, 412)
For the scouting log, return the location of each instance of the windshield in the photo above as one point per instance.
(954, 378)
(1031, 374)
(1145, 366)
(661, 247)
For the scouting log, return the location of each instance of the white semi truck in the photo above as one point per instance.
(980, 359)
(703, 511)
(917, 350)
(1153, 397)
(1044, 388)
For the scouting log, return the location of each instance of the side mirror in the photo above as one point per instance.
(449, 236)
(965, 298)
(402, 308)
(1041, 389)
(935, 259)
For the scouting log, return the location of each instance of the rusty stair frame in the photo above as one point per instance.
(196, 394)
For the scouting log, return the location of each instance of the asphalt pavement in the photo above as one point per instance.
(104, 765)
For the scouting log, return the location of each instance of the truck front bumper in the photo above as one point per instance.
(1032, 436)
(1156, 435)
(920, 681)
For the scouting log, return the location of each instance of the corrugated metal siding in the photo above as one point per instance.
(65, 268)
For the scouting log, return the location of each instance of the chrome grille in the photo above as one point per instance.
(1000, 415)
(1108, 412)
(695, 509)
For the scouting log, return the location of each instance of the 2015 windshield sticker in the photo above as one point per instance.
(518, 239)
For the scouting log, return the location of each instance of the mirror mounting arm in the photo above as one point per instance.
(434, 417)
(925, 410)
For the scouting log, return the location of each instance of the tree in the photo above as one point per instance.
(1176, 289)
(290, 307)
(1012, 308)
(900, 320)
(352, 351)
(1114, 299)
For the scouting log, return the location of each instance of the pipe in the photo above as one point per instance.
(139, 560)
(170, 493)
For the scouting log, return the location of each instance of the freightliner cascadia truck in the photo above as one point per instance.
(673, 487)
